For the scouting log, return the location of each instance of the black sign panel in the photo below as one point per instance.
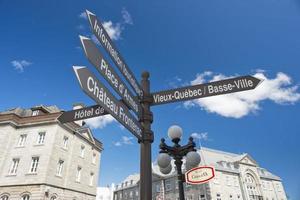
(83, 113)
(115, 55)
(232, 85)
(100, 94)
(105, 69)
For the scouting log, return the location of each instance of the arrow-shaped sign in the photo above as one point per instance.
(83, 113)
(232, 85)
(115, 55)
(100, 94)
(108, 72)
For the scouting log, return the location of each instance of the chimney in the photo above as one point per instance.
(77, 106)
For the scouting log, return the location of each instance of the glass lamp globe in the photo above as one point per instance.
(163, 160)
(192, 159)
(166, 170)
(175, 132)
(187, 166)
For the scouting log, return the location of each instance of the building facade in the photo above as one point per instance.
(42, 159)
(237, 177)
(105, 193)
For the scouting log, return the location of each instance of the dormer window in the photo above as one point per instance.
(35, 112)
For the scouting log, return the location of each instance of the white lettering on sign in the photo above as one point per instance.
(219, 88)
(108, 73)
(113, 106)
(205, 90)
(114, 53)
(178, 95)
(86, 113)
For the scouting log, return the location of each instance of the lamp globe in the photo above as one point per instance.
(175, 132)
(193, 159)
(166, 170)
(163, 160)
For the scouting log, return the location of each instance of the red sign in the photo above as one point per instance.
(199, 175)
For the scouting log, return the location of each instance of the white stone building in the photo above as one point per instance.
(42, 159)
(238, 177)
(105, 193)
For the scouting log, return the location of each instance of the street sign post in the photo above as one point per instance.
(100, 94)
(115, 55)
(83, 113)
(108, 72)
(141, 104)
(199, 175)
(227, 86)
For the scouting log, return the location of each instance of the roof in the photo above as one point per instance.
(221, 160)
(129, 181)
(28, 112)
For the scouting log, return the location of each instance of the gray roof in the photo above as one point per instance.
(28, 112)
(222, 161)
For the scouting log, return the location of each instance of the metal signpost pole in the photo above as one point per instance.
(107, 103)
(147, 139)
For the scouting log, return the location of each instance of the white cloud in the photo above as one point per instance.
(124, 141)
(20, 65)
(175, 82)
(113, 30)
(99, 122)
(126, 16)
(236, 105)
(82, 15)
(200, 136)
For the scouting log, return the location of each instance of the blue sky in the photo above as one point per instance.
(179, 43)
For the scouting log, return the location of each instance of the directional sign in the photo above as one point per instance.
(104, 68)
(83, 113)
(199, 175)
(237, 84)
(100, 94)
(115, 55)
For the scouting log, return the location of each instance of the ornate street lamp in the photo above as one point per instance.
(178, 152)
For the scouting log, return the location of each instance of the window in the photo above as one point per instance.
(4, 197)
(35, 113)
(65, 142)
(78, 174)
(53, 198)
(82, 151)
(236, 182)
(228, 181)
(41, 138)
(14, 166)
(22, 140)
(218, 196)
(25, 197)
(94, 158)
(168, 185)
(59, 167)
(201, 197)
(216, 180)
(34, 164)
(158, 187)
(91, 179)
